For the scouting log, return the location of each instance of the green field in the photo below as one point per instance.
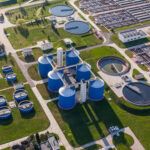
(21, 126)
(10, 61)
(32, 12)
(94, 119)
(123, 141)
(28, 35)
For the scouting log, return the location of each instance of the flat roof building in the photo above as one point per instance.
(45, 45)
(131, 35)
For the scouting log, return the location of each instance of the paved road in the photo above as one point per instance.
(87, 19)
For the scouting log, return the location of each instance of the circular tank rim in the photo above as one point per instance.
(102, 83)
(43, 60)
(11, 73)
(128, 66)
(83, 68)
(73, 11)
(133, 102)
(54, 75)
(67, 91)
(7, 108)
(77, 21)
(17, 91)
(25, 101)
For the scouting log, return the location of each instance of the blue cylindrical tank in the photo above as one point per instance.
(3, 101)
(5, 113)
(72, 58)
(11, 77)
(44, 66)
(83, 72)
(20, 95)
(96, 89)
(67, 98)
(26, 107)
(54, 81)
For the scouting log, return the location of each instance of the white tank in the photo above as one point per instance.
(59, 57)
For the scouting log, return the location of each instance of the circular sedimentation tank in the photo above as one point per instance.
(7, 69)
(54, 81)
(20, 95)
(3, 101)
(72, 57)
(44, 66)
(114, 66)
(62, 11)
(67, 98)
(137, 93)
(11, 77)
(25, 107)
(96, 89)
(5, 113)
(83, 72)
(77, 27)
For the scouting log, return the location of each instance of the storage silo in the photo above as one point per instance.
(72, 57)
(26, 107)
(44, 66)
(96, 89)
(83, 72)
(3, 101)
(55, 81)
(67, 98)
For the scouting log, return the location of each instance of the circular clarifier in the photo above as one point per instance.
(62, 11)
(77, 27)
(137, 93)
(114, 66)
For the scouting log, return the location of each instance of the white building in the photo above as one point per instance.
(131, 35)
(27, 52)
(68, 41)
(45, 45)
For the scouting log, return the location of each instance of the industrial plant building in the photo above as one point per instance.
(131, 35)
(71, 77)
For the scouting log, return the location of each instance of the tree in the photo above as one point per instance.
(20, 22)
(37, 136)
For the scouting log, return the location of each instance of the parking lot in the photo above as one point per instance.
(96, 6)
(142, 55)
(117, 18)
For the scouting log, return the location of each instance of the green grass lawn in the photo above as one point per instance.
(30, 34)
(20, 125)
(9, 60)
(33, 72)
(94, 55)
(94, 119)
(32, 12)
(43, 89)
(123, 141)
(93, 147)
(37, 52)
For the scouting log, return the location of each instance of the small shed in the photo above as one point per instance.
(27, 52)
(45, 45)
(68, 41)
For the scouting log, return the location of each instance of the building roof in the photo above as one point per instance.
(132, 33)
